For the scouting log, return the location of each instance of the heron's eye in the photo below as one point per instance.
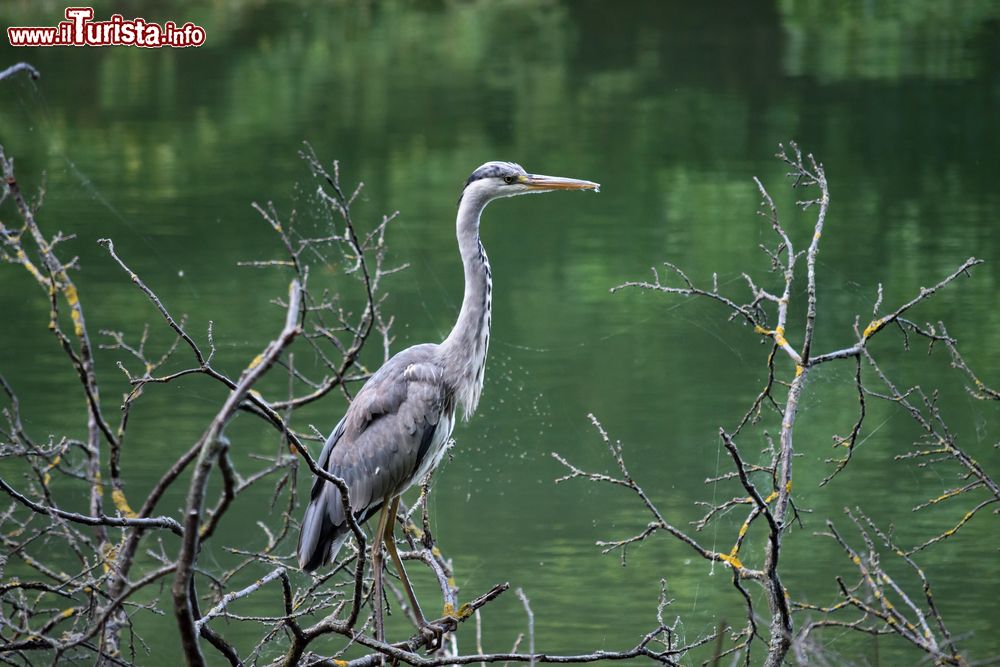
(509, 180)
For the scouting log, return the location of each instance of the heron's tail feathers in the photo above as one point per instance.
(320, 539)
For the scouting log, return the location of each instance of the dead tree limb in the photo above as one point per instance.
(769, 487)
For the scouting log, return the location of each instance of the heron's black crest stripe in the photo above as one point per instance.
(493, 170)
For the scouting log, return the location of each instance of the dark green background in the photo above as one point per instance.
(672, 107)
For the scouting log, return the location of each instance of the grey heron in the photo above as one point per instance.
(395, 430)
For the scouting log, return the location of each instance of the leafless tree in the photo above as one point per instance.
(764, 491)
(71, 573)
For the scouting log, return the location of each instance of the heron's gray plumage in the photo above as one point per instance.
(385, 439)
(396, 429)
(390, 428)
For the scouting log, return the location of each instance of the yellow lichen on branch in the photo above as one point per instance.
(872, 328)
(73, 299)
(731, 560)
(77, 322)
(32, 269)
(47, 475)
(779, 336)
(965, 519)
(118, 498)
(110, 557)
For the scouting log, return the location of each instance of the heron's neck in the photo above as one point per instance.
(465, 347)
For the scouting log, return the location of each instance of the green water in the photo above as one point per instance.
(673, 108)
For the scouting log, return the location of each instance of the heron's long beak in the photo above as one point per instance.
(546, 183)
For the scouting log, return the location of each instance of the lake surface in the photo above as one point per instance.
(673, 108)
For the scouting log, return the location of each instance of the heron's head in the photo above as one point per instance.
(507, 179)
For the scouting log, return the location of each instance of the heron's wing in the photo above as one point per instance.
(386, 433)
(324, 457)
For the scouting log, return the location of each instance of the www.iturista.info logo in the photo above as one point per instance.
(79, 29)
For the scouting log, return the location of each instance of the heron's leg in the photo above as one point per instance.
(432, 632)
(390, 544)
(377, 571)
